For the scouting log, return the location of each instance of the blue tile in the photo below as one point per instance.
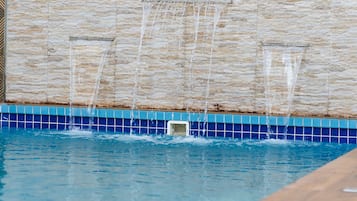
(272, 120)
(325, 131)
(118, 114)
(119, 122)
(144, 130)
(281, 137)
(152, 131)
(325, 139)
(21, 117)
(211, 134)
(110, 129)
(237, 127)
(144, 123)
(102, 128)
(37, 118)
(127, 122)
(298, 137)
(343, 123)
(29, 117)
(307, 122)
(53, 119)
(246, 127)
(53, 126)
(273, 129)
(343, 132)
(53, 110)
(255, 136)
(263, 128)
(229, 127)
(61, 127)
(61, 119)
(13, 116)
(160, 115)
(28, 109)
(211, 126)
(237, 135)
(4, 108)
(272, 136)
(29, 125)
(211, 117)
(229, 134)
(316, 139)
(161, 123)
(299, 130)
(5, 116)
(263, 136)
(119, 129)
(4, 124)
(45, 118)
(21, 125)
(126, 114)
(37, 125)
(110, 114)
(282, 129)
(44, 110)
(308, 138)
(194, 125)
(353, 132)
(86, 120)
(255, 128)
(282, 121)
(103, 113)
(352, 140)
(334, 131)
(246, 135)
(12, 124)
(110, 121)
(334, 139)
(316, 131)
(289, 137)
(61, 111)
(161, 131)
(220, 126)
(343, 140)
(291, 130)
(20, 109)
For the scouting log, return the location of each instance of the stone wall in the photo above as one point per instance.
(175, 62)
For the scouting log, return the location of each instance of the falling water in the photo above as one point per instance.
(197, 25)
(146, 12)
(217, 15)
(291, 59)
(71, 85)
(92, 104)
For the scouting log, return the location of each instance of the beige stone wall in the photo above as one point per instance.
(171, 71)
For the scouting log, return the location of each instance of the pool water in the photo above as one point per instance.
(81, 165)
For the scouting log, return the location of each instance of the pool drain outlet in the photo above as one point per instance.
(178, 128)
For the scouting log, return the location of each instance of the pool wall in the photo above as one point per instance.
(170, 70)
(237, 126)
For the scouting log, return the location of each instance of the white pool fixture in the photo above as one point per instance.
(350, 190)
(178, 128)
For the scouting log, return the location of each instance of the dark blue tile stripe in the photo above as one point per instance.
(227, 126)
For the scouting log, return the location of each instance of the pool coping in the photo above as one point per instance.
(336, 180)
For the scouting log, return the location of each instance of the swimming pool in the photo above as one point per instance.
(82, 165)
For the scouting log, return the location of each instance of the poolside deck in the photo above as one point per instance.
(328, 183)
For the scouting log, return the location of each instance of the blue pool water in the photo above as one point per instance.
(80, 165)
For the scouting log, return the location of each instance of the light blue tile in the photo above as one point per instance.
(237, 119)
(246, 119)
(4, 108)
(184, 116)
(325, 123)
(85, 112)
(53, 110)
(152, 115)
(110, 113)
(20, 109)
(12, 109)
(194, 116)
(307, 122)
(102, 113)
(160, 115)
(228, 118)
(262, 120)
(291, 121)
(317, 122)
(282, 121)
(28, 109)
(143, 114)
(220, 118)
(76, 112)
(273, 120)
(211, 117)
(67, 111)
(334, 123)
(61, 111)
(343, 123)
(177, 116)
(36, 109)
(118, 114)
(44, 110)
(352, 124)
(127, 114)
(254, 120)
(298, 121)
